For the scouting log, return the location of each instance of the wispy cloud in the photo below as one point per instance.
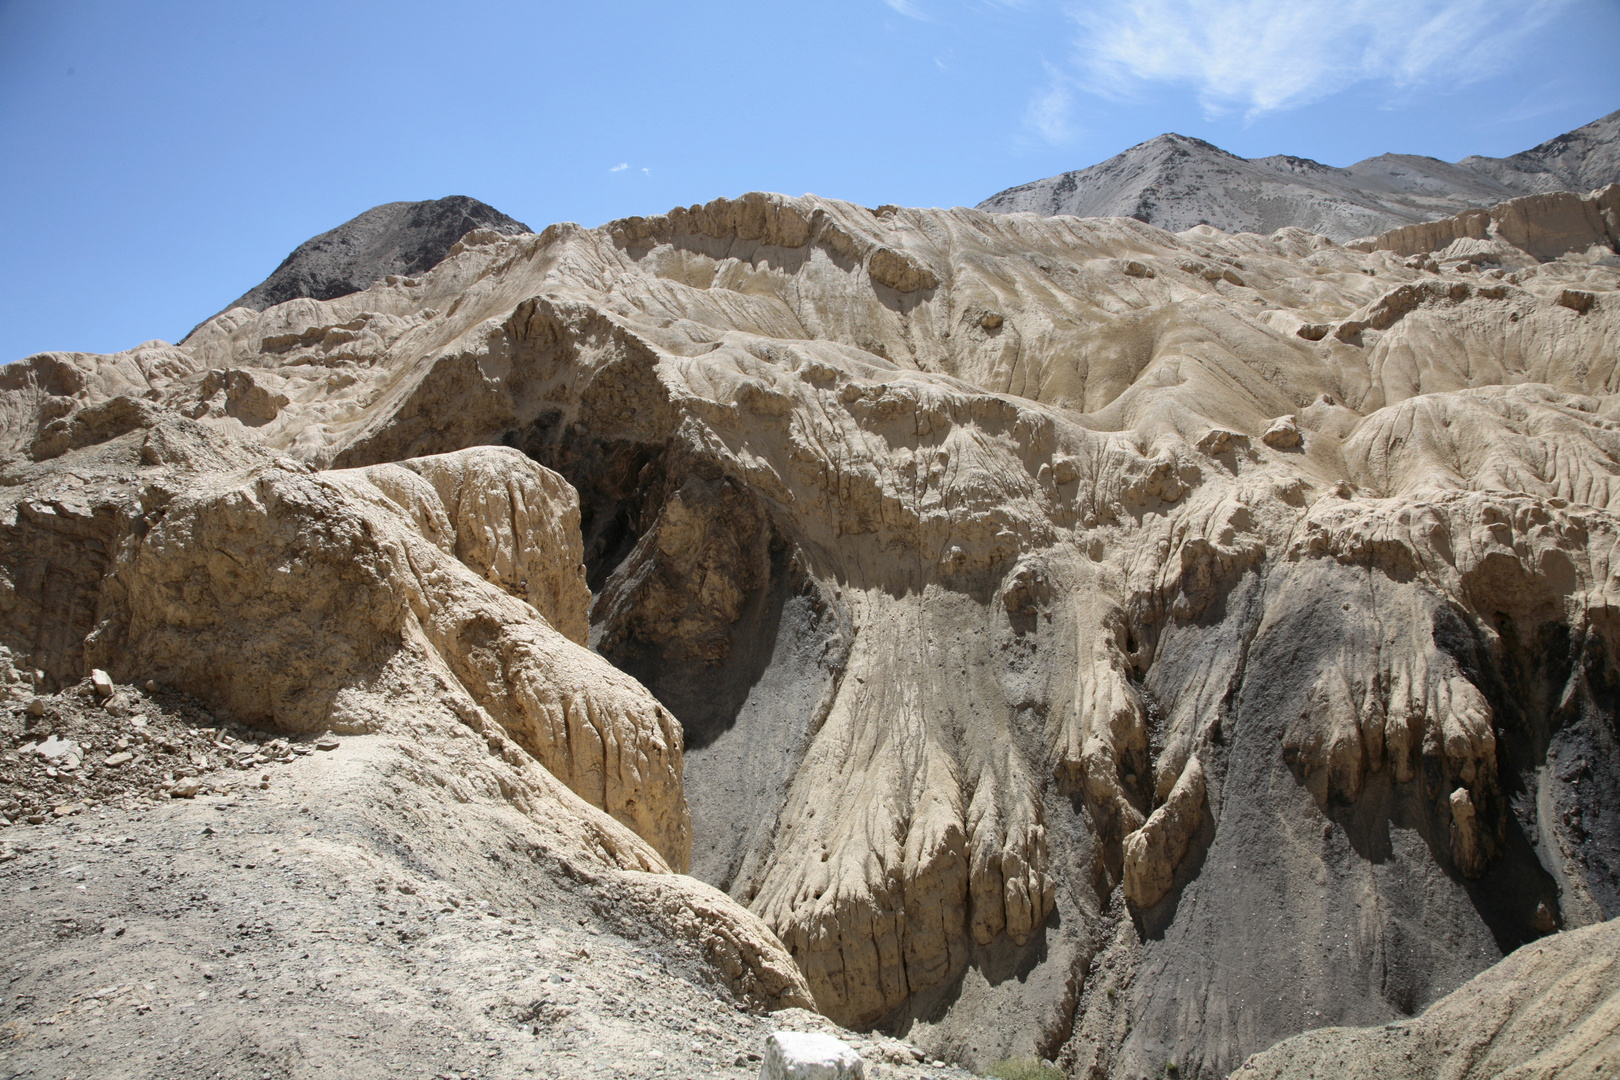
(915, 9)
(1048, 113)
(1259, 56)
(620, 167)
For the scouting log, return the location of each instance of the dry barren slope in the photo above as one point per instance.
(1086, 640)
(1550, 1009)
(319, 913)
(1176, 182)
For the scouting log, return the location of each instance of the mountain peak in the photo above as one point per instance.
(394, 238)
(1177, 181)
(1189, 140)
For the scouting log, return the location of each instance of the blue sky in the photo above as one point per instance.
(158, 159)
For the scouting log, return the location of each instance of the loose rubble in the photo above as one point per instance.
(86, 748)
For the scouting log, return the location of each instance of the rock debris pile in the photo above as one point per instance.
(79, 749)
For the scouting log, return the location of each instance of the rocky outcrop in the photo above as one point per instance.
(1045, 615)
(1544, 227)
(1549, 1009)
(1176, 183)
(515, 525)
(39, 394)
(1152, 852)
(418, 602)
(305, 602)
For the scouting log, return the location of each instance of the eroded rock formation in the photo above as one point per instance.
(1087, 641)
(1544, 227)
(425, 601)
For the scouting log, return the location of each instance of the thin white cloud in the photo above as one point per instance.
(620, 167)
(1259, 56)
(907, 8)
(914, 9)
(1048, 113)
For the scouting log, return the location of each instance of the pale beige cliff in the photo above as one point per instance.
(1541, 226)
(1046, 604)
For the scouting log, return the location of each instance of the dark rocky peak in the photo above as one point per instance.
(394, 238)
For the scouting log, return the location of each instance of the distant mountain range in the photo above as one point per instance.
(1177, 182)
(1173, 181)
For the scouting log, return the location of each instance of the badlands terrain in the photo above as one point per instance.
(985, 636)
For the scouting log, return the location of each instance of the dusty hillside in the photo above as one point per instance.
(1550, 1009)
(1068, 638)
(1176, 182)
(348, 910)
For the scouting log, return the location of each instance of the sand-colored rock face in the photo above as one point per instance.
(308, 601)
(1542, 226)
(990, 564)
(512, 523)
(1153, 852)
(336, 601)
(420, 602)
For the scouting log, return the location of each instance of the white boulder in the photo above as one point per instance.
(793, 1055)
